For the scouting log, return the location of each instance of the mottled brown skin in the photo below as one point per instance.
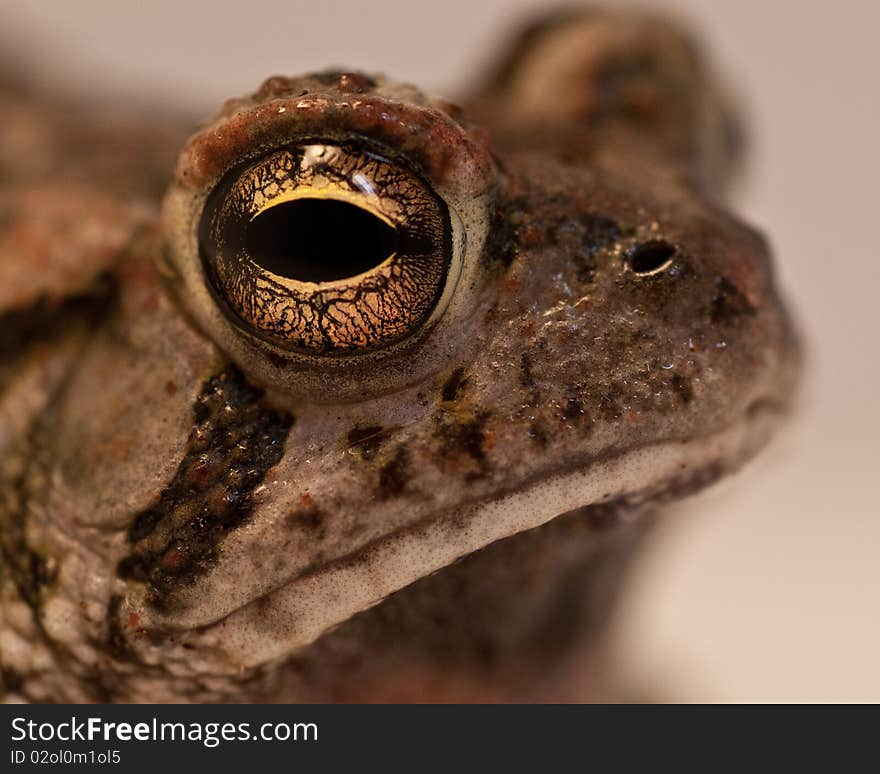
(189, 512)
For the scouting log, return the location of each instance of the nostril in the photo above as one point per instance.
(650, 257)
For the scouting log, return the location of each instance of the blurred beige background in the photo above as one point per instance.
(766, 588)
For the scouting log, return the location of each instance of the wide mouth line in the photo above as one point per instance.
(733, 444)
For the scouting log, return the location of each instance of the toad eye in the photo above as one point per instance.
(327, 249)
(332, 244)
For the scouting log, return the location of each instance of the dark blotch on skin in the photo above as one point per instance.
(311, 518)
(454, 385)
(466, 438)
(48, 318)
(502, 244)
(10, 680)
(366, 440)
(574, 409)
(600, 233)
(235, 441)
(393, 475)
(279, 361)
(729, 302)
(527, 380)
(117, 644)
(609, 406)
(537, 434)
(531, 398)
(682, 388)
(28, 569)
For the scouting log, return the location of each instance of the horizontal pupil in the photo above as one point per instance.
(319, 240)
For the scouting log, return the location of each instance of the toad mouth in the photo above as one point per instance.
(302, 610)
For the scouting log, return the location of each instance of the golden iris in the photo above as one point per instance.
(327, 248)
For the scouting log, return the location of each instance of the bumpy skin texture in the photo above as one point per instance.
(190, 513)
